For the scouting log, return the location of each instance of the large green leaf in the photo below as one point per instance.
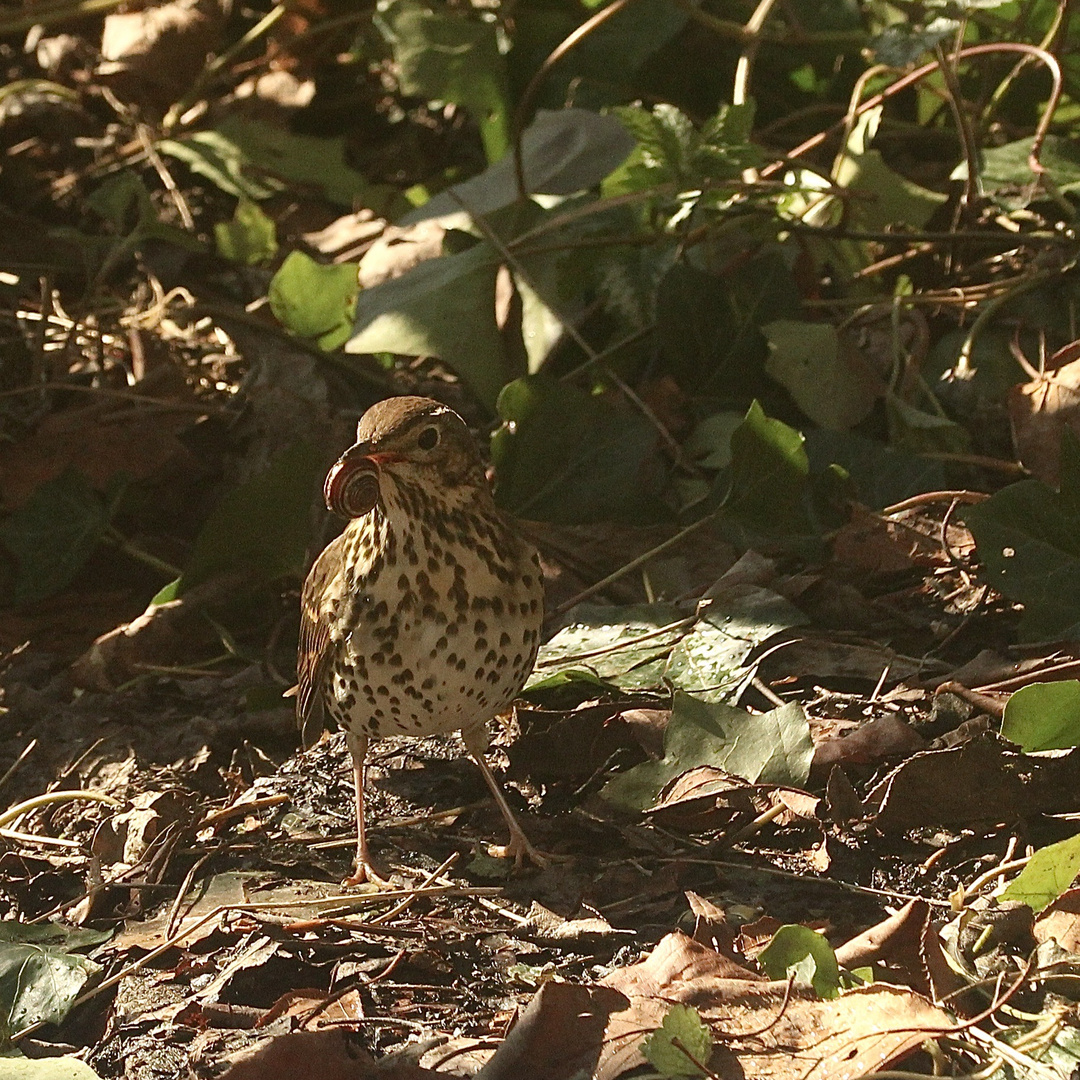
(444, 55)
(603, 640)
(262, 528)
(772, 747)
(1049, 872)
(254, 158)
(1028, 539)
(39, 976)
(820, 371)
(567, 456)
(442, 307)
(883, 475)
(710, 326)
(1043, 716)
(562, 152)
(53, 535)
(769, 477)
(882, 197)
(315, 300)
(802, 952)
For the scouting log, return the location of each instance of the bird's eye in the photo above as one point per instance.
(428, 439)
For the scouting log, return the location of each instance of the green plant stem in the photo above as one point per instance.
(172, 117)
(52, 797)
(912, 77)
(524, 107)
(122, 544)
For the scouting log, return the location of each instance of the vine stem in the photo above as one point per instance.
(1041, 129)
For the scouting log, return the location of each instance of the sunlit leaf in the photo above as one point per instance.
(1044, 716)
(772, 747)
(250, 238)
(1049, 872)
(39, 976)
(805, 953)
(683, 1026)
(315, 300)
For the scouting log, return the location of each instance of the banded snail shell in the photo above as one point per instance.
(352, 488)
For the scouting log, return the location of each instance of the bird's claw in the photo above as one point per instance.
(521, 849)
(366, 874)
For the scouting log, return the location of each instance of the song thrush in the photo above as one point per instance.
(424, 615)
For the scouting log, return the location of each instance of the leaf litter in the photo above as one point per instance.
(769, 707)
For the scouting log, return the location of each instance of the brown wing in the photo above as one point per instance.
(315, 651)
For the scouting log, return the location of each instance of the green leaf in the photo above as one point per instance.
(883, 475)
(445, 56)
(799, 950)
(922, 432)
(1028, 540)
(710, 327)
(443, 307)
(772, 747)
(217, 158)
(567, 456)
(262, 527)
(816, 366)
(1044, 716)
(671, 151)
(255, 159)
(250, 238)
(315, 300)
(1049, 872)
(53, 535)
(562, 152)
(769, 475)
(682, 1024)
(602, 639)
(39, 980)
(708, 661)
(883, 197)
(1008, 166)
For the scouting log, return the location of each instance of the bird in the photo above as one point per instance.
(424, 615)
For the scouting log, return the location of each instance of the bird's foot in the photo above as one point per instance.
(520, 848)
(366, 874)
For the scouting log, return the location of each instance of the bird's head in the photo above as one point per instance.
(413, 440)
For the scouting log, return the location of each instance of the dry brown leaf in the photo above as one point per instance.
(871, 544)
(152, 57)
(1040, 412)
(704, 798)
(331, 1055)
(883, 737)
(861, 1031)
(1061, 921)
(101, 440)
(398, 250)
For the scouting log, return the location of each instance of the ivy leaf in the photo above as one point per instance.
(54, 534)
(805, 953)
(684, 1026)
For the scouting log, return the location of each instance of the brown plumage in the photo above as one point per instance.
(424, 615)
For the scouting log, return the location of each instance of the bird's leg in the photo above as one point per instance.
(519, 848)
(365, 870)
